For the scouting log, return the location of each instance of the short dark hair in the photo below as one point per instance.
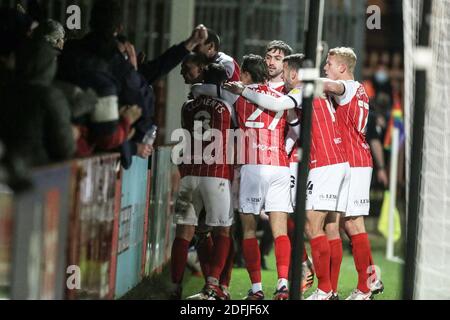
(106, 16)
(279, 45)
(195, 58)
(295, 61)
(214, 38)
(51, 31)
(215, 73)
(257, 68)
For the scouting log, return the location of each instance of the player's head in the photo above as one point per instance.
(51, 31)
(215, 73)
(276, 51)
(340, 63)
(192, 68)
(106, 17)
(291, 68)
(254, 70)
(211, 46)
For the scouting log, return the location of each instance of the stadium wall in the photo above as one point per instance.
(87, 220)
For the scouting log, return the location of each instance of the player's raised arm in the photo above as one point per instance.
(205, 89)
(263, 100)
(294, 131)
(336, 88)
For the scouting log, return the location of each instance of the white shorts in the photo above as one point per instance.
(328, 188)
(359, 192)
(293, 168)
(265, 187)
(235, 187)
(196, 193)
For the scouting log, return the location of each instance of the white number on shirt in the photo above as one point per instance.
(331, 110)
(362, 123)
(202, 121)
(250, 123)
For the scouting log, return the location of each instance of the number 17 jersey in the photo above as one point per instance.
(352, 112)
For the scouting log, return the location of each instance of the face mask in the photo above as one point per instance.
(381, 77)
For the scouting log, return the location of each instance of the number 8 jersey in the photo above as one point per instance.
(199, 118)
(264, 131)
(352, 112)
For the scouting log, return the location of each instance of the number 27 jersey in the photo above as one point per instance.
(264, 131)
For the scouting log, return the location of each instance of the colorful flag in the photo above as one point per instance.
(383, 221)
(395, 121)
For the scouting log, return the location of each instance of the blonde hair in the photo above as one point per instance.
(346, 56)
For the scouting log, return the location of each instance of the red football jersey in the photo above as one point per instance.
(264, 131)
(352, 109)
(231, 66)
(278, 86)
(198, 116)
(326, 143)
(293, 156)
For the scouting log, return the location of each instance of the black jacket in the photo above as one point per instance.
(95, 62)
(35, 122)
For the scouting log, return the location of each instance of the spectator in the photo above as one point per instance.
(381, 81)
(152, 70)
(211, 50)
(91, 63)
(376, 128)
(96, 62)
(51, 31)
(15, 27)
(81, 102)
(35, 122)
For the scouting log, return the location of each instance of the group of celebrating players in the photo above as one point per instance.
(263, 100)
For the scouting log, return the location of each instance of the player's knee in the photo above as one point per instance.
(332, 231)
(185, 232)
(308, 232)
(354, 226)
(222, 231)
(248, 233)
(315, 226)
(315, 231)
(279, 232)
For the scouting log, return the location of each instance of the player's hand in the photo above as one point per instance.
(76, 133)
(144, 150)
(198, 36)
(382, 177)
(263, 216)
(131, 52)
(131, 134)
(141, 58)
(182, 207)
(131, 113)
(234, 87)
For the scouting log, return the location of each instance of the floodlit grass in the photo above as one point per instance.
(158, 286)
(391, 274)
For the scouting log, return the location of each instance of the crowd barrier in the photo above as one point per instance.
(164, 186)
(88, 229)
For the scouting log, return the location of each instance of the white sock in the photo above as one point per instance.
(282, 283)
(213, 281)
(256, 287)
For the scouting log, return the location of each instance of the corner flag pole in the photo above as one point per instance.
(313, 37)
